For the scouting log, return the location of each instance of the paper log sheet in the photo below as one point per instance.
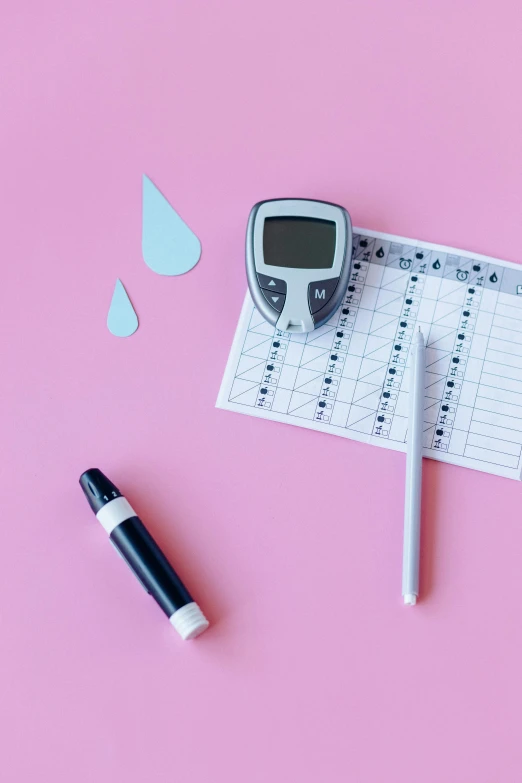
(350, 377)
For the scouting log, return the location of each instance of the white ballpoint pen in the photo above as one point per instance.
(412, 500)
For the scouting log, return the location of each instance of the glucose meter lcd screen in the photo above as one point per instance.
(299, 243)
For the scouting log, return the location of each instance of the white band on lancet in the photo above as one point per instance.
(115, 512)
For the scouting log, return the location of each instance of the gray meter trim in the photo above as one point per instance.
(295, 315)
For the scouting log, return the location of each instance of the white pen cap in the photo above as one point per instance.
(189, 621)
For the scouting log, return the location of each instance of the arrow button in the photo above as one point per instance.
(276, 301)
(272, 284)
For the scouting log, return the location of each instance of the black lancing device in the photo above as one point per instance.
(134, 543)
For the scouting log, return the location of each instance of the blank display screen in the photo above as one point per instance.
(299, 243)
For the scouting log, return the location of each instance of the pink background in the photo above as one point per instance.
(409, 114)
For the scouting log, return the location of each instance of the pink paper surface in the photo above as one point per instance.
(407, 113)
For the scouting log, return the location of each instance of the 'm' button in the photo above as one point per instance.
(320, 293)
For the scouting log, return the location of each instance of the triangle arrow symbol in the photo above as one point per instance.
(275, 299)
(271, 282)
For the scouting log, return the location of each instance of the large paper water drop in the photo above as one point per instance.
(169, 246)
(122, 320)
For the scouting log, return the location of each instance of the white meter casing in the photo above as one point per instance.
(298, 255)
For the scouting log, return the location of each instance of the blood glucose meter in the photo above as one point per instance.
(298, 255)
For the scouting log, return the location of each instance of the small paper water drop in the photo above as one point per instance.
(169, 246)
(122, 320)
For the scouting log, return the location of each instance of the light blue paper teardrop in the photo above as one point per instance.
(122, 320)
(169, 246)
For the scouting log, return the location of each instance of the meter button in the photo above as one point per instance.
(320, 293)
(275, 300)
(272, 284)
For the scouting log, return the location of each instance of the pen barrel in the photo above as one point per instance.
(412, 500)
(136, 545)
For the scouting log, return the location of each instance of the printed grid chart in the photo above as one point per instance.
(350, 377)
